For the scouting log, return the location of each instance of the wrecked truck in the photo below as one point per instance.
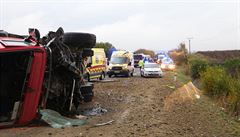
(38, 73)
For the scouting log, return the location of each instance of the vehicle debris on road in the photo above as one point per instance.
(103, 124)
(98, 110)
(55, 120)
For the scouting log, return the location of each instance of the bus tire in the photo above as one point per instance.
(102, 76)
(81, 40)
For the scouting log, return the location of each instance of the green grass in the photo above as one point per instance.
(181, 76)
(206, 105)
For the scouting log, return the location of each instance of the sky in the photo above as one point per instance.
(132, 24)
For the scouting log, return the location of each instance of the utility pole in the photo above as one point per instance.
(189, 44)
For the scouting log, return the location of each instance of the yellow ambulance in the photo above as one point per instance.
(121, 63)
(96, 65)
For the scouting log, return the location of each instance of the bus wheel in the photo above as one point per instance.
(102, 76)
(88, 78)
(128, 74)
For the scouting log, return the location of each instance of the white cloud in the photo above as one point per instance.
(130, 34)
(21, 24)
(154, 25)
(213, 27)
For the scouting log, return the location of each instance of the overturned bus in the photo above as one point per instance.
(38, 73)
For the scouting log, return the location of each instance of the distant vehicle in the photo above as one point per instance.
(96, 65)
(167, 64)
(161, 55)
(148, 59)
(121, 63)
(137, 58)
(151, 70)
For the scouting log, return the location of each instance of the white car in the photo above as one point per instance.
(151, 70)
(167, 64)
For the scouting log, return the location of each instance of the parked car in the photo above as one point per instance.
(160, 55)
(38, 73)
(151, 70)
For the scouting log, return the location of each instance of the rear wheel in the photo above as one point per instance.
(88, 77)
(87, 53)
(102, 76)
(81, 40)
(87, 92)
(88, 98)
(128, 74)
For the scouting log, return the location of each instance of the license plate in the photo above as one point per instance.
(116, 71)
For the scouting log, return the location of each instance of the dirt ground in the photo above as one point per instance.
(147, 107)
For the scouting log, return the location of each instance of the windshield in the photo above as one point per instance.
(15, 43)
(167, 61)
(161, 56)
(151, 66)
(119, 60)
(138, 57)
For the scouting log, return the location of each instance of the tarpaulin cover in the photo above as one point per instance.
(55, 120)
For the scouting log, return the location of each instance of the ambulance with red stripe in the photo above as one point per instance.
(96, 65)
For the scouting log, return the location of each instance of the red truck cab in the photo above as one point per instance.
(48, 75)
(22, 68)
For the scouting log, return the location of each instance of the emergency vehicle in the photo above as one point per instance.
(121, 63)
(96, 67)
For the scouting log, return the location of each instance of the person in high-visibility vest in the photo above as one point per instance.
(141, 64)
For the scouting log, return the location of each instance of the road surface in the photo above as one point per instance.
(144, 107)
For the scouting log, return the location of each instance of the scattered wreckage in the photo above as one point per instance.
(38, 73)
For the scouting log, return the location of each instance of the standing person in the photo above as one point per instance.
(141, 64)
(145, 60)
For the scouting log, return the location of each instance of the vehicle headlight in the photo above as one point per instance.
(125, 67)
(163, 66)
(171, 66)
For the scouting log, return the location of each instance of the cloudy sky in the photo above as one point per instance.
(132, 24)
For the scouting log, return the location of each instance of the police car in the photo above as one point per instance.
(151, 70)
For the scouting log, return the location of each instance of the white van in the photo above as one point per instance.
(121, 63)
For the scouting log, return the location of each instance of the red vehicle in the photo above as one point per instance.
(38, 73)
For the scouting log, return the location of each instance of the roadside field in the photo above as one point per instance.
(147, 107)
